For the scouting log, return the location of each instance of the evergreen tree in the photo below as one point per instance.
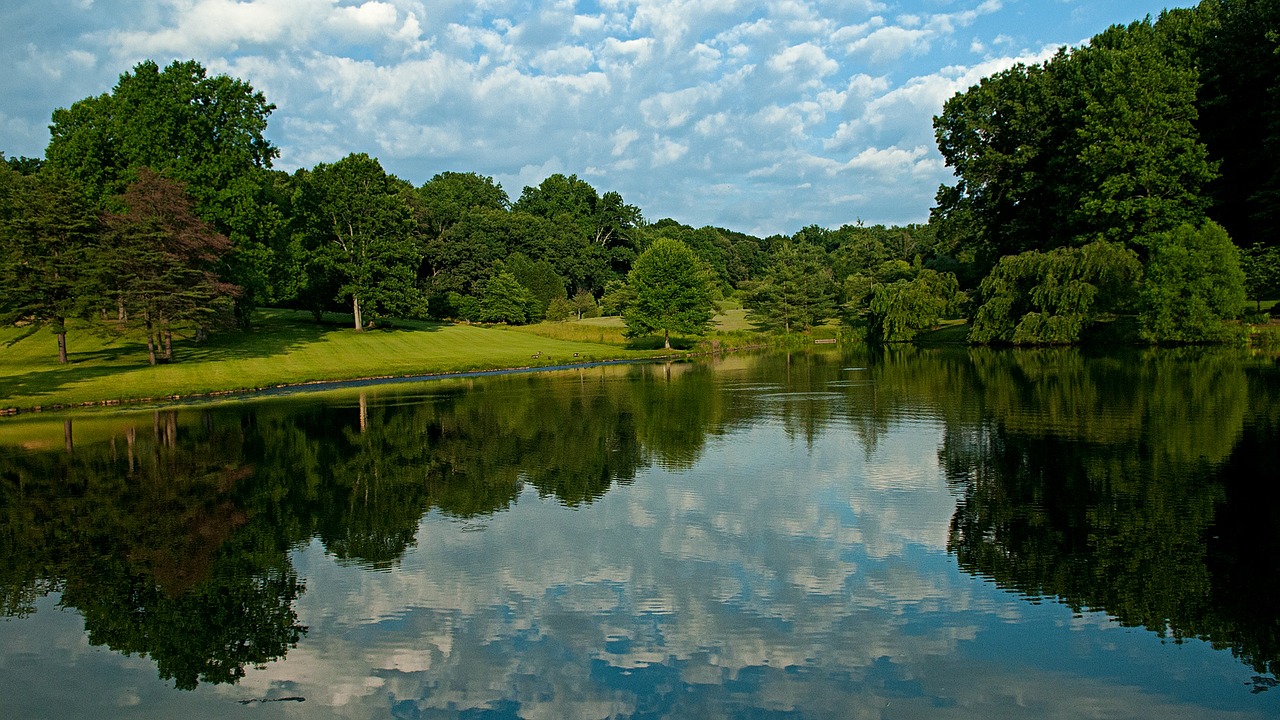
(48, 238)
(161, 268)
(799, 290)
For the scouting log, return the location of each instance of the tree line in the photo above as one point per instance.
(1136, 176)
(156, 208)
(1125, 189)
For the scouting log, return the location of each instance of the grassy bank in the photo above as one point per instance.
(283, 348)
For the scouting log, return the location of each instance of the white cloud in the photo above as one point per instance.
(890, 43)
(666, 152)
(805, 58)
(371, 18)
(698, 92)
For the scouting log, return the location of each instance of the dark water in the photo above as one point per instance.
(899, 534)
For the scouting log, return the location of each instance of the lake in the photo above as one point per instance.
(857, 533)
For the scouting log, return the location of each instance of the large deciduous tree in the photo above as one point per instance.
(208, 132)
(361, 229)
(47, 236)
(1145, 169)
(672, 292)
(449, 196)
(1099, 142)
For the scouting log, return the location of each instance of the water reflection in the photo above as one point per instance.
(1123, 499)
(760, 534)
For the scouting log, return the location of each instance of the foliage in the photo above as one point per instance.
(505, 300)
(1099, 142)
(539, 278)
(1233, 44)
(798, 290)
(559, 310)
(358, 220)
(49, 237)
(208, 132)
(672, 292)
(584, 305)
(449, 196)
(899, 310)
(1193, 283)
(160, 268)
(1037, 298)
(1261, 266)
(618, 295)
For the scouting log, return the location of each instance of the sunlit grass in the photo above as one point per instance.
(283, 348)
(604, 331)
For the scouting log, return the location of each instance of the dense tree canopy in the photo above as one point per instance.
(360, 225)
(1137, 138)
(208, 132)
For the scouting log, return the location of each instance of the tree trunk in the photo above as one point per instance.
(168, 345)
(355, 309)
(121, 315)
(151, 341)
(666, 338)
(62, 340)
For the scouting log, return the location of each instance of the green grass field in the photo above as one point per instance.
(283, 348)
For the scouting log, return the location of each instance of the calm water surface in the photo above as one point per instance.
(898, 534)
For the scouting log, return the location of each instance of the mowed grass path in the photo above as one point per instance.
(283, 348)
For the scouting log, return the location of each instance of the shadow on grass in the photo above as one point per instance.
(48, 383)
(654, 342)
(274, 333)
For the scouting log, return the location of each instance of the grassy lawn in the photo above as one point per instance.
(283, 347)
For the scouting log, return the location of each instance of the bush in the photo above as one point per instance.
(1194, 283)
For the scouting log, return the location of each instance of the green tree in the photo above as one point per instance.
(617, 296)
(1261, 266)
(1099, 142)
(798, 290)
(1234, 45)
(209, 132)
(449, 196)
(505, 300)
(584, 305)
(672, 292)
(161, 267)
(360, 228)
(1193, 284)
(1039, 298)
(899, 310)
(48, 238)
(539, 278)
(1146, 169)
(559, 310)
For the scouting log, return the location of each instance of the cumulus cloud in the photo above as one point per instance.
(701, 93)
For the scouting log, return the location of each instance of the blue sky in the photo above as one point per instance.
(758, 116)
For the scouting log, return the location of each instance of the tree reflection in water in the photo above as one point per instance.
(1120, 484)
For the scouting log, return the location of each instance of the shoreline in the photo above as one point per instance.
(322, 385)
